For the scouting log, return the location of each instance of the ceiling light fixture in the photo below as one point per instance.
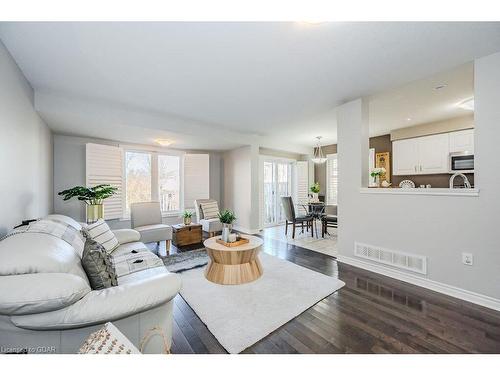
(319, 156)
(467, 104)
(408, 119)
(164, 142)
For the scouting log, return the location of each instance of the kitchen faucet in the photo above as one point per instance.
(464, 177)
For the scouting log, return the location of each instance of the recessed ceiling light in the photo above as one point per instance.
(164, 142)
(439, 87)
(467, 104)
(408, 119)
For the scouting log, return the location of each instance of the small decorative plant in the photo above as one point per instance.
(92, 197)
(187, 215)
(376, 173)
(226, 217)
(315, 188)
(89, 195)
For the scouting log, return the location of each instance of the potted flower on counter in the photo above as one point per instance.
(376, 173)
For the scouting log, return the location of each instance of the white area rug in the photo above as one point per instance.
(327, 245)
(240, 315)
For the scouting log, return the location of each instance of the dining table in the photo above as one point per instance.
(316, 210)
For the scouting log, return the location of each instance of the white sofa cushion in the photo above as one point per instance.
(155, 232)
(40, 292)
(38, 253)
(140, 294)
(127, 235)
(100, 232)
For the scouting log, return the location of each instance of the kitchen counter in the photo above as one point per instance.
(422, 191)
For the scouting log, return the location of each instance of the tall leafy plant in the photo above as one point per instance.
(89, 195)
(226, 217)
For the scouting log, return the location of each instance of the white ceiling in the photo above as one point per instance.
(220, 85)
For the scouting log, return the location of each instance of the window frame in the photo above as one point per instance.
(154, 152)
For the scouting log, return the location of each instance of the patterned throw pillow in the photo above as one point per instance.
(98, 266)
(108, 340)
(210, 210)
(100, 232)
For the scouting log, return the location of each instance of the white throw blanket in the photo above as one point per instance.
(57, 229)
(134, 260)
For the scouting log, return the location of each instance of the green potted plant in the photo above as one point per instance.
(227, 218)
(315, 188)
(187, 215)
(376, 173)
(93, 197)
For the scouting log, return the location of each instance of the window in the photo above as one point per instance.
(169, 182)
(146, 183)
(331, 179)
(138, 178)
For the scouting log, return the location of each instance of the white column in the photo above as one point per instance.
(352, 154)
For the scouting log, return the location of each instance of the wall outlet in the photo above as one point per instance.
(467, 259)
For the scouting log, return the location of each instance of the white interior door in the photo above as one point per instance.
(277, 181)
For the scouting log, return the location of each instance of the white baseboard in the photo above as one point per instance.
(245, 230)
(436, 286)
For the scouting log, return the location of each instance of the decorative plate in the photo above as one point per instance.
(407, 184)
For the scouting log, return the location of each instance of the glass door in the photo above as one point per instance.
(277, 183)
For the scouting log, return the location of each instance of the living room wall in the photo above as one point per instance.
(25, 150)
(69, 170)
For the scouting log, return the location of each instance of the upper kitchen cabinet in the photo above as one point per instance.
(433, 153)
(405, 157)
(462, 141)
(423, 155)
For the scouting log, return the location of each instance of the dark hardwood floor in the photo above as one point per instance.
(371, 314)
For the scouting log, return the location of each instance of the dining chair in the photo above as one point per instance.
(329, 219)
(293, 219)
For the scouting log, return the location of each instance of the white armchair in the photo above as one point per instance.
(209, 225)
(146, 219)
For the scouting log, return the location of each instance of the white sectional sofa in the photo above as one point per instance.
(47, 305)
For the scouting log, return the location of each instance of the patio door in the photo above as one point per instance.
(277, 183)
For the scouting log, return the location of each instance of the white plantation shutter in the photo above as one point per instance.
(104, 165)
(196, 178)
(302, 185)
(332, 179)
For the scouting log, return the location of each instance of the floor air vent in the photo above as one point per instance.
(411, 262)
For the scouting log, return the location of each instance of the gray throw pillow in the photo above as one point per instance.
(97, 264)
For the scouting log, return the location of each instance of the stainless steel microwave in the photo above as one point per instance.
(461, 162)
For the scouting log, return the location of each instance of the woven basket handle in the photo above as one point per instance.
(157, 330)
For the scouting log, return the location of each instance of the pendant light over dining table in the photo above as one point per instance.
(319, 156)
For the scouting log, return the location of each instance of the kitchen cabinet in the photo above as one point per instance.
(462, 141)
(422, 155)
(404, 157)
(433, 154)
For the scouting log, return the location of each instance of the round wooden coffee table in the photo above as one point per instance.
(233, 265)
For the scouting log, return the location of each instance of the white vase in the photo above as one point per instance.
(315, 197)
(226, 231)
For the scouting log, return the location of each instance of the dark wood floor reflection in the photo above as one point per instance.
(371, 314)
